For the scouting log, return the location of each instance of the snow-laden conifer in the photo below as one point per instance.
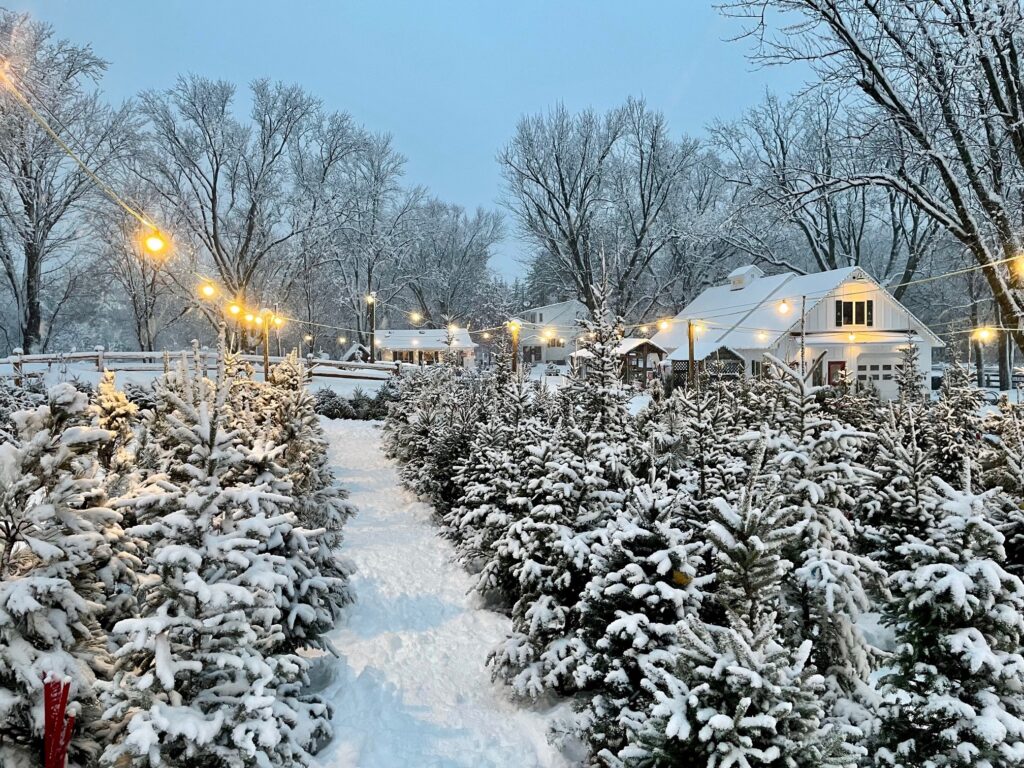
(55, 533)
(953, 696)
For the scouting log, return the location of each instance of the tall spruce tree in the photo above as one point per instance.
(629, 614)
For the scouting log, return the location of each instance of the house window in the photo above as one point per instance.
(555, 343)
(540, 317)
(755, 368)
(855, 313)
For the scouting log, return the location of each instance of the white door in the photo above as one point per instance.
(880, 369)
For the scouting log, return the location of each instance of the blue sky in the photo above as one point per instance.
(447, 78)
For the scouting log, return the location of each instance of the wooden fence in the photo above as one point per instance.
(20, 365)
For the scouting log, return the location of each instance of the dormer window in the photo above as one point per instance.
(855, 313)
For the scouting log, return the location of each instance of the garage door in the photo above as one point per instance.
(879, 369)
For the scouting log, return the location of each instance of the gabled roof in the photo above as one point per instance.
(427, 339)
(624, 347)
(749, 317)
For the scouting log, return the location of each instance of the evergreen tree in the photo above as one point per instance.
(902, 501)
(629, 614)
(198, 680)
(955, 426)
(816, 462)
(909, 378)
(740, 696)
(55, 533)
(954, 696)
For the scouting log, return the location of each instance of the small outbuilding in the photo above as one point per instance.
(640, 358)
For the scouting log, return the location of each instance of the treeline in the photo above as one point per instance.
(750, 572)
(300, 208)
(174, 556)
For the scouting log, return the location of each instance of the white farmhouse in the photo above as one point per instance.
(849, 322)
(420, 346)
(549, 333)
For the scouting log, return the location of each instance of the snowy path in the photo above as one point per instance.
(410, 688)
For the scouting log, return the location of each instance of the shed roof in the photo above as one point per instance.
(427, 339)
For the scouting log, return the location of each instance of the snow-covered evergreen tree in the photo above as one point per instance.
(902, 501)
(953, 696)
(740, 695)
(55, 533)
(198, 680)
(816, 462)
(954, 423)
(629, 614)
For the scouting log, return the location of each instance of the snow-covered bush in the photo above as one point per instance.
(331, 405)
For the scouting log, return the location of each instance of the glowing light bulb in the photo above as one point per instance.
(762, 336)
(258, 319)
(278, 321)
(370, 298)
(155, 242)
(415, 317)
(342, 339)
(663, 325)
(249, 317)
(643, 330)
(208, 290)
(308, 338)
(852, 337)
(783, 307)
(234, 309)
(487, 335)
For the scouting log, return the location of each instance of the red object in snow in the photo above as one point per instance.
(56, 727)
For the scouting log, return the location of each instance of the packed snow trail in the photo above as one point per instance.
(410, 689)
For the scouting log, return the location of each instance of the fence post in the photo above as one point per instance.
(99, 357)
(18, 365)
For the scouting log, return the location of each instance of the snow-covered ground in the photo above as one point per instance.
(410, 687)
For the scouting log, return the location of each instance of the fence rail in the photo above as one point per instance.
(19, 365)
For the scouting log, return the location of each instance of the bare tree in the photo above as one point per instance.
(556, 169)
(448, 264)
(232, 180)
(43, 192)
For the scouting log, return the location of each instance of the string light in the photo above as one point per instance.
(234, 309)
(663, 325)
(370, 298)
(341, 339)
(249, 316)
(415, 317)
(487, 335)
(308, 338)
(155, 243)
(643, 330)
(985, 334)
(783, 307)
(208, 290)
(278, 321)
(852, 337)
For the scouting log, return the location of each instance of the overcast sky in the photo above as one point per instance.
(447, 78)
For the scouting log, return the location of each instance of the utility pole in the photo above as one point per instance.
(371, 299)
(691, 366)
(513, 328)
(266, 347)
(803, 335)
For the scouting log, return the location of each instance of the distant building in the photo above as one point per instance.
(549, 333)
(424, 346)
(639, 357)
(850, 323)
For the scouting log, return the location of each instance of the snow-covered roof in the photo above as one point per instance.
(624, 347)
(427, 339)
(749, 318)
